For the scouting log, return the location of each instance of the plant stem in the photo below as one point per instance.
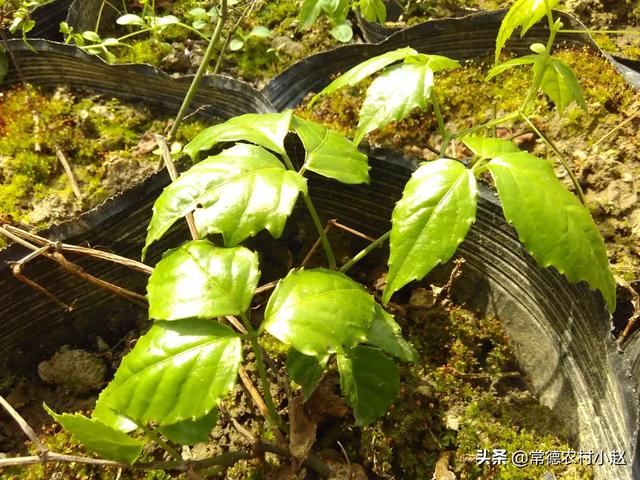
(559, 154)
(262, 372)
(197, 79)
(489, 124)
(153, 436)
(328, 251)
(436, 109)
(366, 251)
(537, 81)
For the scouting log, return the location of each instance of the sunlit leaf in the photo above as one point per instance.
(373, 10)
(524, 14)
(237, 193)
(200, 280)
(399, 90)
(319, 311)
(514, 62)
(369, 381)
(99, 438)
(555, 227)
(342, 32)
(306, 370)
(190, 432)
(330, 154)
(177, 371)
(364, 70)
(265, 129)
(430, 221)
(486, 147)
(561, 85)
(130, 19)
(386, 334)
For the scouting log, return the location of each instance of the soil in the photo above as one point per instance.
(465, 394)
(108, 144)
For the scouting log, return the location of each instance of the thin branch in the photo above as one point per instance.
(69, 172)
(352, 231)
(635, 302)
(195, 83)
(86, 251)
(315, 246)
(173, 173)
(24, 426)
(71, 267)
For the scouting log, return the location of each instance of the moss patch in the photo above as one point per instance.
(107, 143)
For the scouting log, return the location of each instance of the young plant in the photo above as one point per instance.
(438, 204)
(337, 10)
(171, 383)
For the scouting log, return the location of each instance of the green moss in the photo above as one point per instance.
(92, 132)
(458, 399)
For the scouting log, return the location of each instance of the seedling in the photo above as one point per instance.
(173, 380)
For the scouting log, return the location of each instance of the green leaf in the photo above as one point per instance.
(319, 311)
(525, 14)
(260, 31)
(91, 36)
(238, 192)
(189, 432)
(431, 219)
(485, 147)
(386, 334)
(200, 280)
(399, 90)
(561, 85)
(265, 129)
(330, 154)
(555, 227)
(99, 438)
(373, 10)
(342, 32)
(166, 20)
(177, 371)
(235, 44)
(515, 62)
(310, 11)
(306, 370)
(369, 381)
(104, 414)
(130, 19)
(364, 70)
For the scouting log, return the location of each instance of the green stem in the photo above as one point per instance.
(365, 251)
(563, 160)
(262, 372)
(442, 128)
(153, 436)
(193, 30)
(537, 81)
(201, 70)
(326, 246)
(489, 124)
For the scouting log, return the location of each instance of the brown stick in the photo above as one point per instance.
(173, 173)
(635, 301)
(24, 426)
(71, 267)
(315, 246)
(69, 172)
(352, 231)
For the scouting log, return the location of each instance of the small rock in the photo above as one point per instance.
(422, 298)
(288, 46)
(76, 371)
